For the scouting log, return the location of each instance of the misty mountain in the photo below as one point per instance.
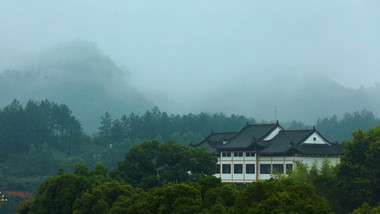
(77, 74)
(297, 96)
(81, 76)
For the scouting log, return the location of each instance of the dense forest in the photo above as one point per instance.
(39, 138)
(351, 186)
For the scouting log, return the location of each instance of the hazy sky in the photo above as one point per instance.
(198, 45)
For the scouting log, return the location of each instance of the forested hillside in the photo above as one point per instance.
(39, 138)
(77, 74)
(175, 179)
(83, 77)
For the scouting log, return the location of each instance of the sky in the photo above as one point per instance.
(184, 48)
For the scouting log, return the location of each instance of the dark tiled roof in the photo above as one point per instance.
(245, 137)
(282, 141)
(214, 141)
(210, 148)
(285, 142)
(320, 149)
(291, 140)
(217, 137)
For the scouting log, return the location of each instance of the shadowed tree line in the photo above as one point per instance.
(155, 124)
(152, 179)
(39, 138)
(86, 191)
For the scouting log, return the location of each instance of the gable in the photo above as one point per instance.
(315, 138)
(273, 134)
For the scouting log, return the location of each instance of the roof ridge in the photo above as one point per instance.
(262, 124)
(225, 132)
(298, 130)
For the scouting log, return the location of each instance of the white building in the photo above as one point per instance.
(258, 151)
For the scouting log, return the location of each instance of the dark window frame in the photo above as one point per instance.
(265, 169)
(250, 168)
(226, 168)
(238, 168)
(226, 154)
(250, 154)
(238, 154)
(278, 168)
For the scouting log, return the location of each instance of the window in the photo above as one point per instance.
(250, 154)
(278, 168)
(226, 154)
(250, 168)
(289, 168)
(226, 168)
(238, 154)
(217, 169)
(264, 168)
(238, 168)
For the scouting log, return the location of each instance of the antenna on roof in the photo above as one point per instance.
(275, 112)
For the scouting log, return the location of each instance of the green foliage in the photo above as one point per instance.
(28, 136)
(86, 191)
(358, 171)
(301, 173)
(280, 196)
(185, 129)
(26, 207)
(173, 198)
(343, 128)
(106, 127)
(57, 195)
(41, 137)
(149, 164)
(366, 209)
(138, 164)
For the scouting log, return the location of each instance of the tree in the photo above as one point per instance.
(12, 128)
(359, 172)
(149, 164)
(57, 195)
(174, 198)
(138, 164)
(280, 196)
(106, 127)
(178, 163)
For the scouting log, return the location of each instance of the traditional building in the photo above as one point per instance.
(259, 151)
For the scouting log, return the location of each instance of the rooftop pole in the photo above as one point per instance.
(275, 113)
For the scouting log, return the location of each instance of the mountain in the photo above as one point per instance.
(77, 74)
(81, 76)
(296, 96)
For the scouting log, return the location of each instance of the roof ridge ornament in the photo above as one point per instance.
(314, 128)
(277, 122)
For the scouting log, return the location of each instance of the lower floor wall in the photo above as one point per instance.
(247, 171)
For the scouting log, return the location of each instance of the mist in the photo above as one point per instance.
(308, 59)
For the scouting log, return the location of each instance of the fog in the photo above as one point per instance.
(242, 57)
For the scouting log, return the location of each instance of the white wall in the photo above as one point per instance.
(318, 139)
(273, 134)
(247, 178)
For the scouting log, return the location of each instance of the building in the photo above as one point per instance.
(259, 151)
